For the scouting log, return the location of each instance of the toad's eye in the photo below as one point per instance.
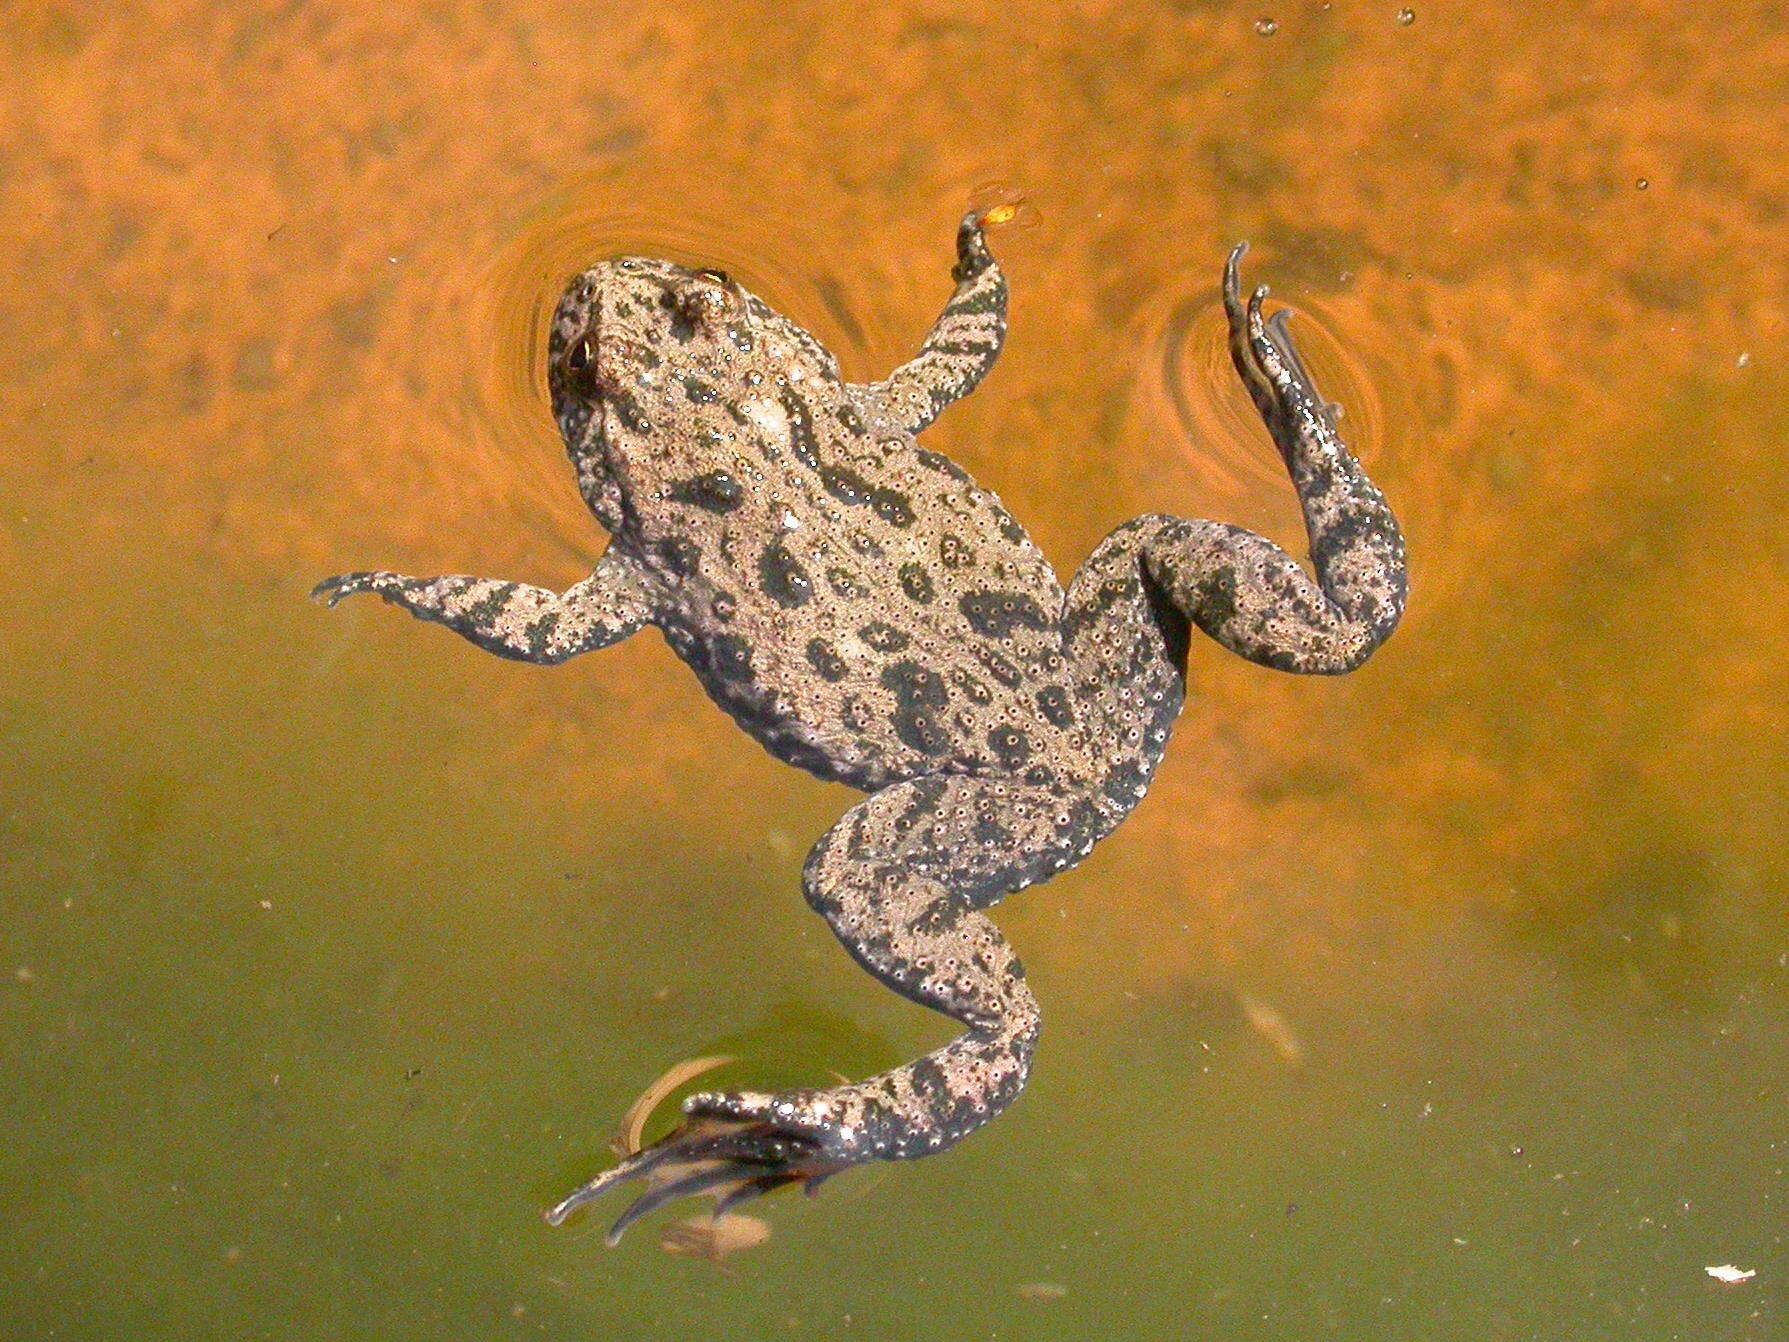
(720, 277)
(580, 366)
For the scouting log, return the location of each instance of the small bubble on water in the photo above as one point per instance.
(1406, 17)
(1641, 184)
(1266, 26)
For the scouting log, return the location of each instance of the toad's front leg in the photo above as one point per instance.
(901, 879)
(512, 619)
(963, 344)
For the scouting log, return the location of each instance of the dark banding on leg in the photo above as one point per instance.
(512, 619)
(963, 343)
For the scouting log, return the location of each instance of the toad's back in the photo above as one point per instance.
(864, 608)
(855, 601)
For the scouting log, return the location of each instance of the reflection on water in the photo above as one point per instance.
(1446, 1000)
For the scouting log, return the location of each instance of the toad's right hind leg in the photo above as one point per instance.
(902, 879)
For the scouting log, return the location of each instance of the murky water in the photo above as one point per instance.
(1446, 1001)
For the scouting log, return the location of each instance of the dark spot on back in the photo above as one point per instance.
(845, 485)
(680, 554)
(971, 686)
(917, 583)
(845, 583)
(683, 325)
(716, 491)
(998, 667)
(828, 663)
(883, 637)
(893, 507)
(954, 551)
(628, 411)
(782, 577)
(801, 429)
(1011, 745)
(911, 683)
(1052, 702)
(919, 692)
(997, 614)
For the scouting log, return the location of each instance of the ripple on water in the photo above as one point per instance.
(494, 370)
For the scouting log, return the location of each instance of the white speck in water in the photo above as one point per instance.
(1406, 17)
(1266, 26)
(1732, 1276)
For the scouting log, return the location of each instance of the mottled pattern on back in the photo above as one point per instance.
(857, 602)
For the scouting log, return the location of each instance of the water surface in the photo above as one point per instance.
(1449, 1000)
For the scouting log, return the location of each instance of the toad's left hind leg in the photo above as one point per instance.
(901, 879)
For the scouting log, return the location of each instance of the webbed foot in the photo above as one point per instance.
(734, 1146)
(1268, 360)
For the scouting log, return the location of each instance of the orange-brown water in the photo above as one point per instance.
(1447, 1000)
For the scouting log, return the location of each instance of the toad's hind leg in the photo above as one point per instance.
(1134, 596)
(901, 879)
(1245, 591)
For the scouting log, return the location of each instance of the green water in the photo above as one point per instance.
(1446, 1001)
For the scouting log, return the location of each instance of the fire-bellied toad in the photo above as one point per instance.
(865, 610)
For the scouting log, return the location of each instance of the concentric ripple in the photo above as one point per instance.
(494, 371)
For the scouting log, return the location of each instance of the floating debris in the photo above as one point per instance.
(1731, 1275)
(1041, 1290)
(1267, 1022)
(714, 1239)
(627, 1139)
